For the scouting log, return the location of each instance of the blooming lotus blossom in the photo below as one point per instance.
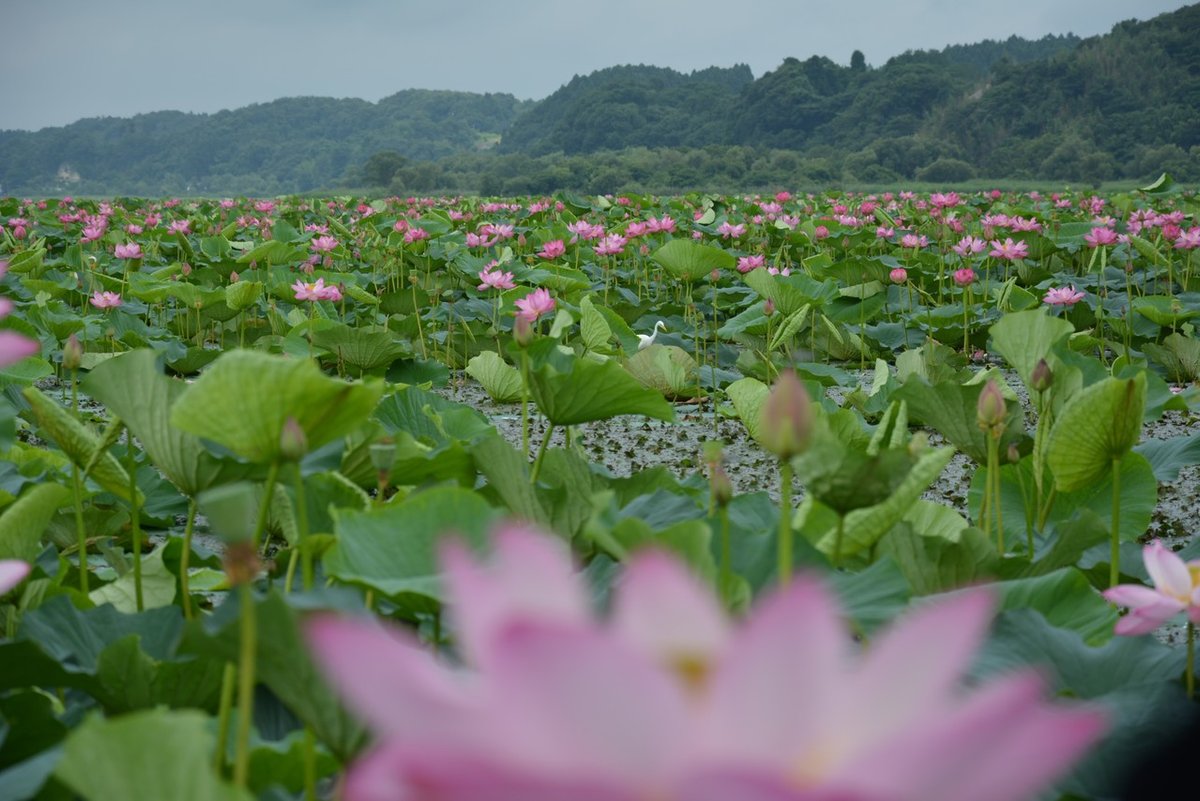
(323, 244)
(969, 246)
(415, 235)
(730, 230)
(914, 241)
(669, 699)
(1188, 240)
(1023, 224)
(105, 300)
(12, 573)
(91, 233)
(773, 270)
(475, 240)
(131, 250)
(747, 263)
(664, 224)
(944, 201)
(181, 227)
(535, 304)
(610, 245)
(1100, 237)
(495, 279)
(883, 232)
(316, 290)
(1009, 250)
(1063, 296)
(582, 229)
(14, 347)
(552, 250)
(1176, 589)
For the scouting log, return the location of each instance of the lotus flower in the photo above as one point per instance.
(1176, 589)
(12, 573)
(535, 304)
(668, 699)
(1063, 296)
(105, 300)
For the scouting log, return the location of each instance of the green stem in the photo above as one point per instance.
(1190, 674)
(245, 684)
(310, 764)
(839, 539)
(306, 559)
(785, 522)
(537, 463)
(80, 530)
(186, 557)
(726, 551)
(228, 678)
(525, 404)
(1114, 572)
(268, 495)
(135, 523)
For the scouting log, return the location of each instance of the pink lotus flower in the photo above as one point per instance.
(1063, 296)
(316, 290)
(12, 573)
(610, 245)
(14, 347)
(495, 279)
(944, 201)
(131, 250)
(883, 232)
(664, 224)
(964, 277)
(415, 235)
(323, 244)
(1100, 237)
(105, 300)
(535, 304)
(747, 263)
(1176, 589)
(731, 231)
(181, 227)
(552, 250)
(668, 699)
(969, 246)
(1188, 240)
(1009, 250)
(898, 275)
(914, 241)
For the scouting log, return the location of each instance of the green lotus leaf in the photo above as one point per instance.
(569, 391)
(691, 261)
(135, 390)
(499, 379)
(22, 523)
(365, 348)
(667, 369)
(79, 443)
(1024, 338)
(243, 294)
(1100, 424)
(244, 398)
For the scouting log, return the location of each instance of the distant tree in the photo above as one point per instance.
(858, 62)
(382, 167)
(946, 171)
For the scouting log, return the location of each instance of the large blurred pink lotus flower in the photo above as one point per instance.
(1176, 589)
(12, 573)
(667, 699)
(14, 347)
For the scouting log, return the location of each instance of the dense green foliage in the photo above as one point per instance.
(1118, 106)
(287, 145)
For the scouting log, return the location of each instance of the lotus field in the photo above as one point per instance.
(840, 496)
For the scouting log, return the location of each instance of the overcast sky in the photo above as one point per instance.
(63, 60)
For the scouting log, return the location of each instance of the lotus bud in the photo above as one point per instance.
(293, 442)
(991, 410)
(785, 426)
(383, 454)
(713, 451)
(1042, 378)
(1014, 453)
(722, 487)
(768, 307)
(233, 277)
(523, 331)
(72, 353)
(241, 563)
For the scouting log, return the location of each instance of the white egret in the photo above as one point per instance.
(646, 341)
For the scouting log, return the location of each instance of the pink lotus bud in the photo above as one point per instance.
(991, 410)
(1042, 378)
(786, 421)
(293, 442)
(72, 353)
(898, 275)
(768, 307)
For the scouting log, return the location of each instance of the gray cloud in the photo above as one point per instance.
(64, 60)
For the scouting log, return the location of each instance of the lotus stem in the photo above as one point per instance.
(223, 713)
(1114, 572)
(785, 522)
(186, 557)
(537, 463)
(245, 683)
(135, 523)
(268, 495)
(1189, 675)
(306, 559)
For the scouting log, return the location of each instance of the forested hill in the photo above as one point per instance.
(289, 145)
(630, 106)
(1122, 105)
